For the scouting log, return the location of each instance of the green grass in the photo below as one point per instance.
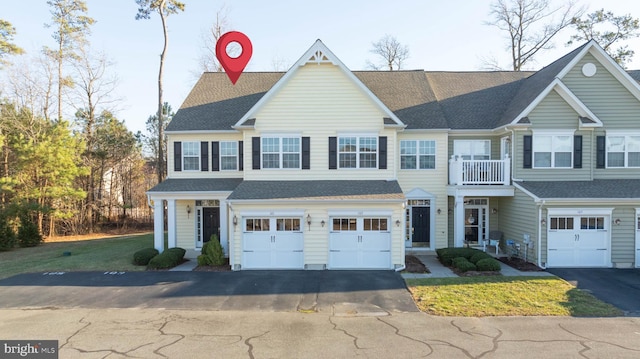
(108, 254)
(505, 296)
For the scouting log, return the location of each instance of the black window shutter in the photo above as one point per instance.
(600, 151)
(306, 153)
(577, 151)
(255, 152)
(204, 156)
(382, 152)
(333, 153)
(240, 155)
(177, 156)
(527, 152)
(215, 156)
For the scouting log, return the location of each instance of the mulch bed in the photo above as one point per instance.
(520, 264)
(414, 265)
(221, 268)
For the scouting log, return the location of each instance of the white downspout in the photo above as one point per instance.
(540, 233)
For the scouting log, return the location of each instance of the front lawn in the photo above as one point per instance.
(108, 254)
(505, 296)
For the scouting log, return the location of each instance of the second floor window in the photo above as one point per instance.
(417, 155)
(623, 151)
(472, 149)
(358, 152)
(552, 151)
(191, 156)
(229, 156)
(280, 152)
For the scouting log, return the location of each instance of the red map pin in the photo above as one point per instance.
(234, 66)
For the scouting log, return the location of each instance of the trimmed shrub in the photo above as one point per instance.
(163, 260)
(488, 264)
(177, 252)
(143, 256)
(479, 256)
(446, 255)
(7, 236)
(28, 235)
(212, 253)
(463, 264)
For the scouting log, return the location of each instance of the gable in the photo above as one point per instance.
(319, 95)
(553, 112)
(604, 93)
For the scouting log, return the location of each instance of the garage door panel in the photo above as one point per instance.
(592, 258)
(274, 243)
(376, 241)
(376, 259)
(360, 243)
(289, 259)
(256, 259)
(343, 241)
(561, 258)
(288, 241)
(578, 241)
(257, 242)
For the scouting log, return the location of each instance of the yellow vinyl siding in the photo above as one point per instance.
(433, 181)
(185, 225)
(209, 137)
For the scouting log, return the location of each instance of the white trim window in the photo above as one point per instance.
(281, 152)
(472, 149)
(358, 152)
(552, 150)
(191, 156)
(623, 150)
(228, 155)
(417, 155)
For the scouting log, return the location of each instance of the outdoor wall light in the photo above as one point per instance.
(235, 220)
(322, 223)
(543, 222)
(439, 211)
(309, 219)
(617, 221)
(397, 223)
(494, 210)
(188, 210)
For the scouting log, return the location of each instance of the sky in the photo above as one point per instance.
(445, 35)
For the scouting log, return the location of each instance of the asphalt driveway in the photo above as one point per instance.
(620, 287)
(355, 292)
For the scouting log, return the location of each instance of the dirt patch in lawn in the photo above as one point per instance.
(414, 265)
(520, 264)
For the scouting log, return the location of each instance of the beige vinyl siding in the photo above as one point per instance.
(433, 181)
(518, 216)
(555, 174)
(209, 137)
(319, 101)
(603, 94)
(185, 225)
(450, 221)
(316, 237)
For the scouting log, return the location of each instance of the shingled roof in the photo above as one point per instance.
(597, 188)
(420, 99)
(318, 190)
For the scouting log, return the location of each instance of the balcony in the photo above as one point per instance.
(479, 172)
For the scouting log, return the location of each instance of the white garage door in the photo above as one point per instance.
(360, 243)
(272, 243)
(578, 241)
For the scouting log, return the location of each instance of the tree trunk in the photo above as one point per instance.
(160, 167)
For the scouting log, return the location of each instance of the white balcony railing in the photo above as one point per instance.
(479, 172)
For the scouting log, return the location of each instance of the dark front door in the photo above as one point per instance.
(421, 221)
(210, 223)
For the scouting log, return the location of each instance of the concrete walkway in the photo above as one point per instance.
(438, 270)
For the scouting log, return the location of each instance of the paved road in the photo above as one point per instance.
(620, 287)
(371, 291)
(285, 314)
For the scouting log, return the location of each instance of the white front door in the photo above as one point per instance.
(360, 243)
(272, 243)
(578, 241)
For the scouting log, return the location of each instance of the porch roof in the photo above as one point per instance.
(597, 188)
(319, 190)
(174, 185)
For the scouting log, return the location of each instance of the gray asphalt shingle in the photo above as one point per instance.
(598, 188)
(319, 189)
(196, 185)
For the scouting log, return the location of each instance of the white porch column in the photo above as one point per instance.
(171, 223)
(158, 225)
(458, 222)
